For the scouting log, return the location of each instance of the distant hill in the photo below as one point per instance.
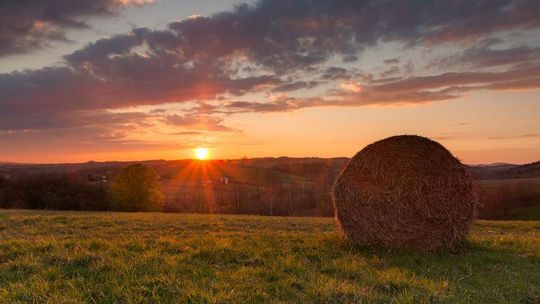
(505, 171)
(524, 171)
(9, 164)
(306, 167)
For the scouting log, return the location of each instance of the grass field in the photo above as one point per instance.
(84, 257)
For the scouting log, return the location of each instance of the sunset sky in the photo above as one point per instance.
(140, 79)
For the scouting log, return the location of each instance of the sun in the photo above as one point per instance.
(201, 153)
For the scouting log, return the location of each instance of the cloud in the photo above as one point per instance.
(44, 120)
(81, 143)
(462, 81)
(188, 133)
(280, 103)
(391, 71)
(485, 56)
(351, 86)
(26, 26)
(338, 73)
(391, 61)
(293, 86)
(197, 122)
(273, 46)
(530, 135)
(410, 90)
(448, 136)
(444, 86)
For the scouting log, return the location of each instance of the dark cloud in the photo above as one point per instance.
(338, 73)
(43, 120)
(29, 24)
(484, 56)
(292, 86)
(72, 92)
(281, 103)
(81, 141)
(391, 71)
(284, 35)
(445, 86)
(411, 90)
(391, 61)
(464, 80)
(267, 47)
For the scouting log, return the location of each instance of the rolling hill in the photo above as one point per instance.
(505, 171)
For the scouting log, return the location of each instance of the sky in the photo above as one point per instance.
(155, 79)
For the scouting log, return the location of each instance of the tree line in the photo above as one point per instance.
(135, 188)
(138, 187)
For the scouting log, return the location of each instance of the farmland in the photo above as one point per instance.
(103, 257)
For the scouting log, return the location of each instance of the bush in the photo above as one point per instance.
(10, 196)
(136, 188)
(52, 191)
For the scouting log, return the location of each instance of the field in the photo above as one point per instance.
(530, 183)
(85, 257)
(511, 199)
(525, 214)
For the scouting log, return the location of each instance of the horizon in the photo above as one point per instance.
(232, 159)
(145, 79)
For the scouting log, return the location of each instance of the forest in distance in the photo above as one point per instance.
(263, 186)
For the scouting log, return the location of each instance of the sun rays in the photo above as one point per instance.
(201, 153)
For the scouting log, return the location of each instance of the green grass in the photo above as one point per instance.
(84, 257)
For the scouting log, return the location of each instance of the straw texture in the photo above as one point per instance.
(405, 192)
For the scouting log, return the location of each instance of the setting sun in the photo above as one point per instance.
(201, 153)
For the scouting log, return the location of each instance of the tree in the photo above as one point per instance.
(136, 188)
(10, 197)
(52, 191)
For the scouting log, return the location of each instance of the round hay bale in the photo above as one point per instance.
(405, 192)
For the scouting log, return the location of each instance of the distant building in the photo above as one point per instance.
(98, 178)
(209, 182)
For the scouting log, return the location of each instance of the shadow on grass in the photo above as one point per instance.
(487, 270)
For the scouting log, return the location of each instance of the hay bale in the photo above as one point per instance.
(405, 192)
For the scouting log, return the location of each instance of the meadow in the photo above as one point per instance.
(105, 257)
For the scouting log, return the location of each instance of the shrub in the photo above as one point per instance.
(136, 188)
(53, 191)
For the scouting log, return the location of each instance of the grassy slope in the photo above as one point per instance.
(70, 257)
